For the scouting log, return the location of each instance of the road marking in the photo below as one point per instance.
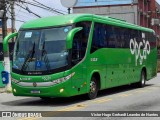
(153, 88)
(75, 107)
(102, 100)
(30, 118)
(140, 91)
(34, 118)
(124, 95)
(79, 106)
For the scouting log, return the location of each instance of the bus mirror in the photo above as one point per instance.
(6, 39)
(70, 37)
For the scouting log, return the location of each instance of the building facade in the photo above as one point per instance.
(145, 13)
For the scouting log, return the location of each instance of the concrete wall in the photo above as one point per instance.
(124, 12)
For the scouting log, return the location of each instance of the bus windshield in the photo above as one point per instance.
(41, 49)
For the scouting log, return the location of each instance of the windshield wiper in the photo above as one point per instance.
(29, 56)
(44, 53)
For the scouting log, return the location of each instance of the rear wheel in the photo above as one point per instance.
(93, 88)
(142, 82)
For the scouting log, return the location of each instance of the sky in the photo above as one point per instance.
(23, 15)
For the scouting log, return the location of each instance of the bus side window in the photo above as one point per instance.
(99, 37)
(94, 46)
(111, 37)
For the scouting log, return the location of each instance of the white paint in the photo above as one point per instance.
(94, 59)
(135, 48)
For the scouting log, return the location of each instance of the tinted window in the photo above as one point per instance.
(107, 36)
(152, 39)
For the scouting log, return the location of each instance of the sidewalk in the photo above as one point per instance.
(5, 90)
(2, 90)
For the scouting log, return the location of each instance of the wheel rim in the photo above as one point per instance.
(143, 79)
(93, 88)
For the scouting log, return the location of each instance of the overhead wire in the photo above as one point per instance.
(20, 11)
(26, 8)
(42, 6)
(49, 7)
(23, 4)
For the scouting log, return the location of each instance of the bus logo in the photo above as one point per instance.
(140, 53)
(46, 78)
(34, 84)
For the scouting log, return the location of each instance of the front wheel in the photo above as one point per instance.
(93, 88)
(45, 98)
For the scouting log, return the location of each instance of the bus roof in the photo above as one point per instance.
(56, 20)
(62, 20)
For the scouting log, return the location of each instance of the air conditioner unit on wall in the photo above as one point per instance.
(155, 21)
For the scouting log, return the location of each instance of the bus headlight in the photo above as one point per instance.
(14, 90)
(61, 90)
(62, 79)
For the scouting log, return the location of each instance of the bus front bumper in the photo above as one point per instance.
(59, 90)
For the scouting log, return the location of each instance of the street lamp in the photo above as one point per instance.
(69, 4)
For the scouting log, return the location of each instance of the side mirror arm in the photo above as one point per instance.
(6, 40)
(70, 36)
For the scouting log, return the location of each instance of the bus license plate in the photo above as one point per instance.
(35, 91)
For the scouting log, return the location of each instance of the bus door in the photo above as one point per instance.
(79, 68)
(79, 48)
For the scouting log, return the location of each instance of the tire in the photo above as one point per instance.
(45, 98)
(142, 81)
(93, 89)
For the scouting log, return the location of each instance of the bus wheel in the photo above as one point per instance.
(93, 88)
(45, 98)
(143, 79)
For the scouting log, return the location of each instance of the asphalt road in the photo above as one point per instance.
(125, 98)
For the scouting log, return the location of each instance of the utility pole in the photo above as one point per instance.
(4, 19)
(12, 17)
(6, 55)
(69, 10)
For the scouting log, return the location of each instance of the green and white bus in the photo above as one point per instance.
(75, 54)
